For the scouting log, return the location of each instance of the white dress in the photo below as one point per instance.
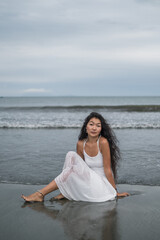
(85, 180)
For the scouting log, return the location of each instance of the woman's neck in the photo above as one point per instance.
(92, 139)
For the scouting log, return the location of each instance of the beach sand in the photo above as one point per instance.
(134, 217)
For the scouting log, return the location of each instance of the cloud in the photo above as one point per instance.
(36, 90)
(72, 42)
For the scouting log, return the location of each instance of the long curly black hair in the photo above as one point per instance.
(108, 133)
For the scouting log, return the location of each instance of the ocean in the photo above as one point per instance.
(37, 132)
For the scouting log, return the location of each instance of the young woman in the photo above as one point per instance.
(88, 175)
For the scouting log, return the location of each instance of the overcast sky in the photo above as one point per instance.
(79, 47)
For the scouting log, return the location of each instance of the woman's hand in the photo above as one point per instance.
(124, 194)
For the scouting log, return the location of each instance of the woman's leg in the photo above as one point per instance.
(39, 196)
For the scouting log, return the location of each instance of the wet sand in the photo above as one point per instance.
(134, 217)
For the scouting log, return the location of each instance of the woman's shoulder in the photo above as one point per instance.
(80, 143)
(103, 144)
(103, 141)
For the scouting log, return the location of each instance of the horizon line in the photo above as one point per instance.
(86, 96)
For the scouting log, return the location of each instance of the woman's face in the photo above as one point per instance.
(94, 127)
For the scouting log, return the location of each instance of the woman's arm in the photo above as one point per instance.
(105, 150)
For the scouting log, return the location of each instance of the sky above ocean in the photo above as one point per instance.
(79, 48)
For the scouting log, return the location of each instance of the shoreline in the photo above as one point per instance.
(136, 216)
(41, 185)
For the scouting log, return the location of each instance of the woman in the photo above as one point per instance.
(88, 175)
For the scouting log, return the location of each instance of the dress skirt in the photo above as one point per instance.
(79, 182)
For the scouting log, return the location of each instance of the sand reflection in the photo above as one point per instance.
(82, 220)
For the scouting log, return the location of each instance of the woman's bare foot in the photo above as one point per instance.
(58, 197)
(35, 197)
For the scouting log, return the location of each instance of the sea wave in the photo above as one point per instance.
(114, 126)
(127, 108)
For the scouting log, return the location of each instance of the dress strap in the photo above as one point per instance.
(84, 143)
(98, 142)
